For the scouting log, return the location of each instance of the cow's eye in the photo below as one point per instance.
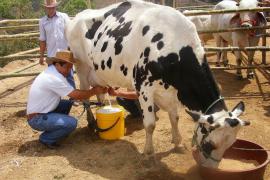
(232, 122)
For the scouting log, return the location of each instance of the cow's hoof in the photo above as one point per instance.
(148, 151)
(149, 161)
(225, 63)
(239, 77)
(176, 140)
(250, 76)
(180, 149)
(217, 64)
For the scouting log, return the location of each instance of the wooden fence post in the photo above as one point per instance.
(88, 2)
(264, 52)
(162, 2)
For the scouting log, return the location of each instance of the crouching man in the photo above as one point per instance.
(46, 111)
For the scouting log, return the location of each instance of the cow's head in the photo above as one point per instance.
(215, 133)
(248, 19)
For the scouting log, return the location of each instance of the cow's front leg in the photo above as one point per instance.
(176, 136)
(147, 105)
(224, 54)
(82, 73)
(250, 74)
(238, 56)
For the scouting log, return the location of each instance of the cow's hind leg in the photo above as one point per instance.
(83, 72)
(224, 56)
(238, 56)
(171, 106)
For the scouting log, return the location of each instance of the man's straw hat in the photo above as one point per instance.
(50, 3)
(64, 56)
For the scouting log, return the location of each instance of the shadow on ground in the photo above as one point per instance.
(230, 85)
(267, 109)
(105, 158)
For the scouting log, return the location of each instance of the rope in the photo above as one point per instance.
(220, 98)
(87, 105)
(199, 146)
(251, 149)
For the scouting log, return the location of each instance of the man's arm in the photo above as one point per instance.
(42, 48)
(86, 94)
(42, 42)
(123, 94)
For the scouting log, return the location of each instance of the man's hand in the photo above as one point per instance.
(41, 60)
(124, 94)
(113, 92)
(99, 90)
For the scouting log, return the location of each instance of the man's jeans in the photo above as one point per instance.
(56, 124)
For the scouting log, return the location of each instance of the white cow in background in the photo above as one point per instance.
(202, 23)
(238, 38)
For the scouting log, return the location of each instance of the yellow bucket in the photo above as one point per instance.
(110, 122)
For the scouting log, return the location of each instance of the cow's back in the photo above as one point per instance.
(115, 39)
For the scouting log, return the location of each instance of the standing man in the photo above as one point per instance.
(46, 111)
(52, 34)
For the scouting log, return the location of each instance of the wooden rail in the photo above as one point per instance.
(31, 26)
(8, 75)
(17, 57)
(18, 21)
(19, 36)
(242, 67)
(260, 9)
(24, 52)
(233, 29)
(255, 48)
(194, 7)
(22, 69)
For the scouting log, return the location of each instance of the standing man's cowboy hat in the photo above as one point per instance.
(50, 3)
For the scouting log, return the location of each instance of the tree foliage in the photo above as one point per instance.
(74, 6)
(24, 9)
(17, 9)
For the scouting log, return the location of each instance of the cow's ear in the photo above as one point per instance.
(195, 116)
(261, 18)
(235, 19)
(238, 109)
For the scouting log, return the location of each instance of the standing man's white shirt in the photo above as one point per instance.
(52, 31)
(46, 91)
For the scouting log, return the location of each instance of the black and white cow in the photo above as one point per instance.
(155, 50)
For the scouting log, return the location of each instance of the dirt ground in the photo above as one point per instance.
(83, 156)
